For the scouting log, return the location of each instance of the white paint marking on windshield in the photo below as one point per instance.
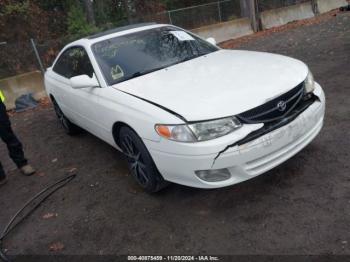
(182, 36)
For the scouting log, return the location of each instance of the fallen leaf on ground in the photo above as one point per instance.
(40, 174)
(45, 102)
(49, 215)
(57, 246)
(72, 170)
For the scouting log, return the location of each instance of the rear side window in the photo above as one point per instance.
(73, 62)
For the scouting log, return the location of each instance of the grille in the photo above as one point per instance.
(275, 109)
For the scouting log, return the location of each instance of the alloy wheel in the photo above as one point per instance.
(135, 160)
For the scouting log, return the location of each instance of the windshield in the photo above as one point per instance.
(132, 55)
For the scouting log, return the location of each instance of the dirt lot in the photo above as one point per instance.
(301, 207)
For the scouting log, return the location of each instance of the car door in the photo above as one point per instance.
(79, 104)
(58, 79)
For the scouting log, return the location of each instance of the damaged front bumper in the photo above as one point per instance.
(246, 153)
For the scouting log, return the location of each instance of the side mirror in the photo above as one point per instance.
(211, 40)
(83, 81)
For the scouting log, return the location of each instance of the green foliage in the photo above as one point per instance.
(53, 5)
(15, 8)
(77, 23)
(108, 12)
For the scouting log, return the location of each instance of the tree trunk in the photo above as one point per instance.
(90, 11)
(254, 15)
(127, 10)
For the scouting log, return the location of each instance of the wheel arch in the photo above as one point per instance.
(161, 183)
(117, 126)
(52, 97)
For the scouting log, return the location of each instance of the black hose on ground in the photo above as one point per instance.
(53, 187)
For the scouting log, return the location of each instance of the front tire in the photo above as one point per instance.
(140, 162)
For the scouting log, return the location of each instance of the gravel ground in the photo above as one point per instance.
(300, 207)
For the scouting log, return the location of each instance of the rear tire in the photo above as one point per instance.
(70, 128)
(140, 162)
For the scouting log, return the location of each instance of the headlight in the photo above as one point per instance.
(309, 83)
(199, 131)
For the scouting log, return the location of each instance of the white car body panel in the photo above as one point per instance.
(223, 83)
(121, 107)
(244, 162)
(219, 84)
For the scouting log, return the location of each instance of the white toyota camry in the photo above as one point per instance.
(183, 110)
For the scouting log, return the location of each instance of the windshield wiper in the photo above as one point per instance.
(141, 73)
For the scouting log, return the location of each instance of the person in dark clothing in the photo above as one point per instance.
(14, 146)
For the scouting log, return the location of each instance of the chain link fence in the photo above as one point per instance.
(16, 58)
(20, 57)
(48, 50)
(197, 16)
(202, 15)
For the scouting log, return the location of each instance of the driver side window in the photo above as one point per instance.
(73, 62)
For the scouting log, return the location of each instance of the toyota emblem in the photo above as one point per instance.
(281, 106)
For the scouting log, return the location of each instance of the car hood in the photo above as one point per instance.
(223, 83)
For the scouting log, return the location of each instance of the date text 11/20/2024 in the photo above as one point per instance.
(173, 258)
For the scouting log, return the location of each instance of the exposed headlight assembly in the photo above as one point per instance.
(199, 131)
(309, 83)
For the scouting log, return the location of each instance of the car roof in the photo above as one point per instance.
(124, 30)
(114, 33)
(118, 29)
